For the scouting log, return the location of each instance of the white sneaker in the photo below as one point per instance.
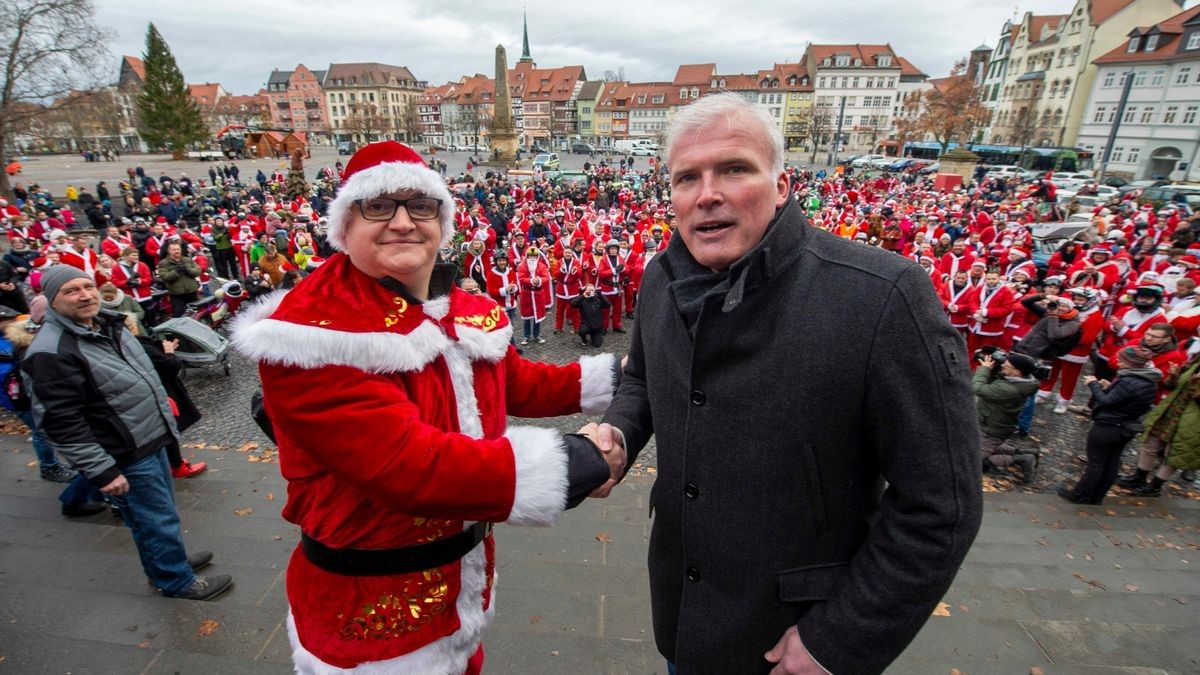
(524, 341)
(1060, 408)
(1043, 395)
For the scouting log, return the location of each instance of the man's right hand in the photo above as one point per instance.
(117, 487)
(608, 439)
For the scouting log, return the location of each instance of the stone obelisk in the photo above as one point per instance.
(503, 133)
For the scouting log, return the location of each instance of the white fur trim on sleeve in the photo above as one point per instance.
(541, 490)
(595, 382)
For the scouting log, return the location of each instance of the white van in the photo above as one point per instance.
(628, 145)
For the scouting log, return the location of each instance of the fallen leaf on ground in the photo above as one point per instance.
(243, 512)
(1036, 671)
(1131, 588)
(964, 608)
(33, 463)
(207, 628)
(143, 644)
(942, 609)
(554, 653)
(535, 619)
(248, 446)
(1181, 600)
(604, 537)
(270, 496)
(277, 537)
(254, 458)
(1089, 582)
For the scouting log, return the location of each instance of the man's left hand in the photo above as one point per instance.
(791, 658)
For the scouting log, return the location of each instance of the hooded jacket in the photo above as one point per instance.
(96, 395)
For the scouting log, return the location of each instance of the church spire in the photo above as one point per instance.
(525, 57)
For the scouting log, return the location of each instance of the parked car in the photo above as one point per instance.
(899, 164)
(1172, 194)
(1141, 185)
(1004, 171)
(582, 148)
(931, 168)
(1069, 181)
(347, 148)
(537, 149)
(1048, 237)
(863, 161)
(547, 161)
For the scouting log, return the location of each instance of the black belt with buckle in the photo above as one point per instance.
(357, 562)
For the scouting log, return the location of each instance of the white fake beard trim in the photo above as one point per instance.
(446, 656)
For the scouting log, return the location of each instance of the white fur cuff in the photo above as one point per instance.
(595, 383)
(541, 489)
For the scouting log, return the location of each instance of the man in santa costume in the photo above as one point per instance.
(1128, 324)
(388, 390)
(78, 255)
(990, 304)
(959, 257)
(568, 283)
(611, 277)
(502, 285)
(955, 295)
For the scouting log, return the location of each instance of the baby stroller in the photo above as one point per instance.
(199, 345)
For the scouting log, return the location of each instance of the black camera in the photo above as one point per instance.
(1038, 369)
(998, 355)
(1053, 304)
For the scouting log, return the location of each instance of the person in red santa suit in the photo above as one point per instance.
(633, 267)
(990, 304)
(958, 257)
(502, 286)
(611, 277)
(1128, 324)
(956, 294)
(114, 242)
(133, 277)
(477, 261)
(533, 282)
(1086, 302)
(78, 255)
(243, 241)
(568, 283)
(396, 566)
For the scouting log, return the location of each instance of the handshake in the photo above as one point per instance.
(609, 441)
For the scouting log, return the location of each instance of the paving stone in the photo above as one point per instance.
(1172, 648)
(34, 653)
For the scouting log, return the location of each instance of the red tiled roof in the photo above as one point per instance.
(907, 68)
(864, 53)
(1103, 10)
(1037, 23)
(1168, 43)
(696, 73)
(205, 95)
(138, 67)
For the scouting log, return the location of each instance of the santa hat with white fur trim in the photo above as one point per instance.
(382, 168)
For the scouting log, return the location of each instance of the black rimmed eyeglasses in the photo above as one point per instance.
(384, 208)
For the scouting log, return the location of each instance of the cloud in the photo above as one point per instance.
(239, 43)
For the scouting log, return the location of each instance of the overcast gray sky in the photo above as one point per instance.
(239, 43)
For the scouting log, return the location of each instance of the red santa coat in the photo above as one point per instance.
(1136, 325)
(1021, 320)
(996, 305)
(122, 274)
(113, 246)
(498, 283)
(1185, 317)
(534, 289)
(961, 299)
(950, 263)
(568, 279)
(426, 389)
(611, 275)
(1091, 324)
(85, 261)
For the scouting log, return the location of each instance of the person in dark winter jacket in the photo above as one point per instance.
(1055, 334)
(591, 306)
(1117, 411)
(999, 397)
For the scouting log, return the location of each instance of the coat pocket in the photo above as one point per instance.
(815, 499)
(812, 583)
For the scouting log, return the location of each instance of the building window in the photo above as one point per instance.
(1147, 115)
(1098, 117)
(1169, 114)
(820, 83)
(1118, 153)
(1139, 79)
(1130, 112)
(843, 60)
(1157, 77)
(1189, 115)
(1133, 45)
(1193, 41)
(1134, 155)
(1184, 75)
(1075, 54)
(1151, 44)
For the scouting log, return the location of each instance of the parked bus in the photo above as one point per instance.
(1039, 159)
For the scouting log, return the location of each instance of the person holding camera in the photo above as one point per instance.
(1117, 410)
(1000, 394)
(1055, 334)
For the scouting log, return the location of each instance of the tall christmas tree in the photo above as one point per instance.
(167, 115)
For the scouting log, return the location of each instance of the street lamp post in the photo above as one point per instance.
(837, 136)
(1116, 126)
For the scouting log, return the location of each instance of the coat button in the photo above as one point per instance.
(698, 397)
(693, 574)
(691, 491)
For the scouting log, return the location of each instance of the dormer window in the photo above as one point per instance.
(696, 92)
(1193, 41)
(1133, 45)
(1151, 43)
(721, 84)
(713, 84)
(885, 61)
(825, 61)
(792, 81)
(858, 62)
(843, 60)
(804, 80)
(683, 92)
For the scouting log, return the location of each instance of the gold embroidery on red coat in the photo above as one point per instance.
(393, 317)
(434, 529)
(396, 615)
(487, 322)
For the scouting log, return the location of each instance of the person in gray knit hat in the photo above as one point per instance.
(102, 407)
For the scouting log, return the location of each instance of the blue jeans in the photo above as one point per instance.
(41, 446)
(512, 321)
(1025, 419)
(534, 327)
(670, 668)
(149, 512)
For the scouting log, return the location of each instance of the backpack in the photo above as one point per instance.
(13, 394)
